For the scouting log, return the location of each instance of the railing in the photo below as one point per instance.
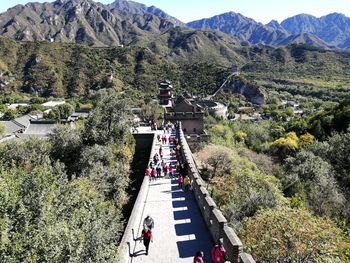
(125, 249)
(214, 219)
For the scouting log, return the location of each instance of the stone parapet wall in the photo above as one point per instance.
(183, 115)
(126, 248)
(213, 217)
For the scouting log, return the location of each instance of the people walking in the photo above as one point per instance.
(180, 180)
(187, 183)
(218, 252)
(165, 169)
(153, 174)
(161, 152)
(148, 171)
(155, 159)
(149, 222)
(147, 237)
(159, 170)
(171, 170)
(198, 258)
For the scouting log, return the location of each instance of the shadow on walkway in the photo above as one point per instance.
(192, 229)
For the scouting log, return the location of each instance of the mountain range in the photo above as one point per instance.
(330, 31)
(130, 23)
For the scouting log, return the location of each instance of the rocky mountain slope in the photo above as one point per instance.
(330, 31)
(333, 29)
(137, 8)
(243, 28)
(77, 21)
(123, 23)
(127, 22)
(251, 91)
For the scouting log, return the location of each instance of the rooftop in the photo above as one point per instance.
(53, 103)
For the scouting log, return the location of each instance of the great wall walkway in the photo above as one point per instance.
(179, 228)
(185, 222)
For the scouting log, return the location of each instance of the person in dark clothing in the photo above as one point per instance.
(147, 237)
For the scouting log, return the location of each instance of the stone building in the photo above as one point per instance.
(189, 114)
(214, 108)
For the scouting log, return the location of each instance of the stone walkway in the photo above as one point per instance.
(179, 228)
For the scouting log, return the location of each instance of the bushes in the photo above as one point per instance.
(244, 192)
(294, 235)
(236, 184)
(61, 199)
(44, 218)
(311, 177)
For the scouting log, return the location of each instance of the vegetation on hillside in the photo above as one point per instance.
(256, 171)
(61, 198)
(281, 185)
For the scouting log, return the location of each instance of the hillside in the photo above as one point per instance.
(299, 69)
(184, 57)
(70, 70)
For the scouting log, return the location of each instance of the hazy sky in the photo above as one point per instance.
(260, 10)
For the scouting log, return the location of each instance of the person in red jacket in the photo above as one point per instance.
(218, 252)
(147, 237)
(198, 258)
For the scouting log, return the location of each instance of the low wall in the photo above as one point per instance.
(214, 219)
(127, 243)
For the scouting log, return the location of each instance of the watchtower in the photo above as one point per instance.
(165, 94)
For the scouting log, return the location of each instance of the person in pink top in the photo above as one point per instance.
(198, 257)
(165, 169)
(218, 253)
(171, 170)
(180, 180)
(148, 171)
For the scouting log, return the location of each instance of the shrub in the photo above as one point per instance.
(293, 235)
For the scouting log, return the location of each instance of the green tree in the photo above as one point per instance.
(66, 147)
(152, 111)
(221, 134)
(108, 122)
(310, 176)
(10, 115)
(336, 152)
(293, 235)
(71, 222)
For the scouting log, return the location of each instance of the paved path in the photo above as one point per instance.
(179, 228)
